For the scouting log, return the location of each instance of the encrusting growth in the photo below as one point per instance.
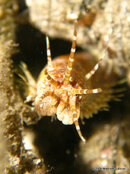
(61, 87)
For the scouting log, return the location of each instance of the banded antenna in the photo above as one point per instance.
(87, 91)
(50, 65)
(75, 114)
(92, 72)
(67, 76)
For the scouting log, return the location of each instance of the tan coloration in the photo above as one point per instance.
(76, 112)
(50, 79)
(50, 67)
(89, 104)
(71, 57)
(57, 94)
(89, 75)
(87, 18)
(87, 91)
(14, 158)
(30, 81)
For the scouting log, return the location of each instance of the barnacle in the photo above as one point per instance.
(63, 84)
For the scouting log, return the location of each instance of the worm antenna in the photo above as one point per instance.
(89, 75)
(71, 57)
(78, 127)
(87, 91)
(75, 112)
(50, 79)
(50, 66)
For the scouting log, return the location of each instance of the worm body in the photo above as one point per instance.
(70, 86)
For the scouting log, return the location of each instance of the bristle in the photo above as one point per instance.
(89, 75)
(71, 57)
(50, 66)
(28, 76)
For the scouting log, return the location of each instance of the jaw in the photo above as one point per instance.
(65, 114)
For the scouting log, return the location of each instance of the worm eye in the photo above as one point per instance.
(76, 95)
(49, 85)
